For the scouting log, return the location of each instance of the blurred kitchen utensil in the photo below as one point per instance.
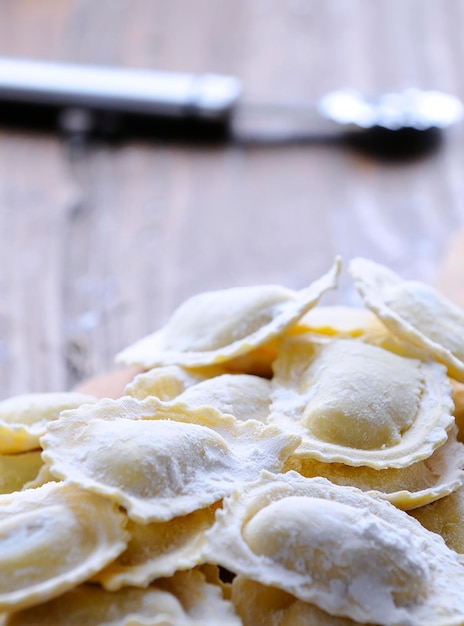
(85, 101)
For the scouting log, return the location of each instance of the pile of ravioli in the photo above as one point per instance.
(276, 461)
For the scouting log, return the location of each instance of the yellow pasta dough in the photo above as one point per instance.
(53, 538)
(185, 599)
(93, 606)
(458, 399)
(414, 311)
(408, 487)
(218, 326)
(446, 517)
(168, 382)
(245, 396)
(16, 470)
(23, 418)
(258, 604)
(158, 549)
(346, 552)
(242, 395)
(359, 404)
(339, 321)
(160, 460)
(43, 477)
(200, 599)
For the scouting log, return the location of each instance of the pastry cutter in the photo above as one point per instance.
(84, 101)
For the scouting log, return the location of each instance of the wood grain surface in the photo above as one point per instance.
(98, 247)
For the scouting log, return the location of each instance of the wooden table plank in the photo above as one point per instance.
(97, 249)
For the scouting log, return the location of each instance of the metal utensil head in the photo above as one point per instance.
(411, 108)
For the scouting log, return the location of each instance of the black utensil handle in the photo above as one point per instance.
(105, 100)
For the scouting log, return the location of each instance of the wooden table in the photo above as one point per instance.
(97, 251)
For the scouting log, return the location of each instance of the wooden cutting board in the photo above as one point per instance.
(449, 282)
